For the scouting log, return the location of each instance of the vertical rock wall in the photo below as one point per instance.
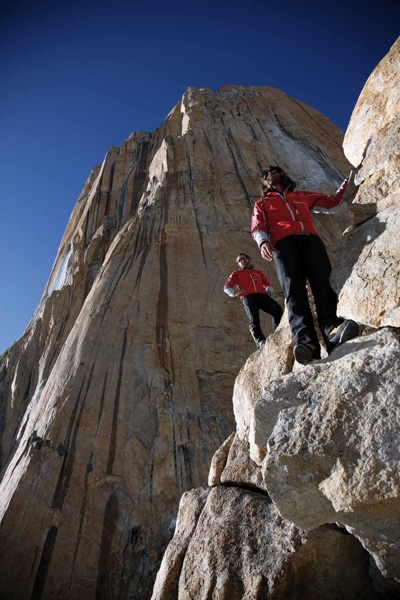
(369, 258)
(304, 497)
(118, 393)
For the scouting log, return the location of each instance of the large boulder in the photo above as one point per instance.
(368, 261)
(330, 435)
(239, 547)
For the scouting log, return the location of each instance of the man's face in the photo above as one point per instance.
(242, 261)
(273, 178)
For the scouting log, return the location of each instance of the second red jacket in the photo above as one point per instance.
(251, 281)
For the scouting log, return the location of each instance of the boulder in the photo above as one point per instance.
(367, 262)
(242, 549)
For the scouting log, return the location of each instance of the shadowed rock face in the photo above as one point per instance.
(236, 545)
(119, 392)
(304, 497)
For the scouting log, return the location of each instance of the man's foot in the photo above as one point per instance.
(305, 353)
(343, 333)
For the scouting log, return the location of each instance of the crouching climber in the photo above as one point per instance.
(283, 229)
(254, 290)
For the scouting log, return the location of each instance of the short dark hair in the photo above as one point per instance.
(242, 254)
(288, 183)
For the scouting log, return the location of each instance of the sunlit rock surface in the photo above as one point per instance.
(368, 261)
(304, 497)
(119, 392)
(331, 448)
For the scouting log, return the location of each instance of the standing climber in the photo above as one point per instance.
(254, 290)
(283, 229)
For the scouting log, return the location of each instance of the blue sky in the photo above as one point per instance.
(78, 77)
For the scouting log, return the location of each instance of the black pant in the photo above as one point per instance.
(252, 304)
(299, 258)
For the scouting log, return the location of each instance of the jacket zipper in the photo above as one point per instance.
(291, 212)
(254, 283)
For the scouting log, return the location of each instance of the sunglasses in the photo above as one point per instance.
(268, 171)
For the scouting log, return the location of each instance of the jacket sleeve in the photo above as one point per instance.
(259, 224)
(230, 283)
(319, 202)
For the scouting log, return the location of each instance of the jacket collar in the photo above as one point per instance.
(272, 190)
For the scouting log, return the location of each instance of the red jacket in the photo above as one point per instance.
(250, 280)
(278, 215)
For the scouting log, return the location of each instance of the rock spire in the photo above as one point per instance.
(304, 497)
(119, 392)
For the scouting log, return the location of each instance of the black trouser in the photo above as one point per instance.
(252, 304)
(299, 258)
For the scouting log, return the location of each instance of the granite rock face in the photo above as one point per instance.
(331, 447)
(117, 395)
(238, 546)
(369, 257)
(304, 497)
(320, 448)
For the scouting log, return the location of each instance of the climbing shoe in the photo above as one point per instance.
(343, 333)
(305, 353)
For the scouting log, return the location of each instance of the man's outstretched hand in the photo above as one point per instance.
(351, 175)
